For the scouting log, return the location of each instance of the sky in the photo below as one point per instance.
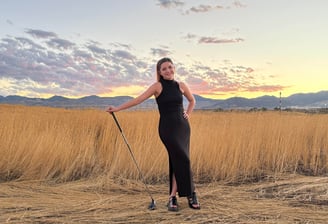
(220, 48)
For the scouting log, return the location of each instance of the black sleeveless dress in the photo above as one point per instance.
(174, 131)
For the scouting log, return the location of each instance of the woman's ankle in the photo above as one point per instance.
(173, 204)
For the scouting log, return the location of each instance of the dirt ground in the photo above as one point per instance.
(292, 199)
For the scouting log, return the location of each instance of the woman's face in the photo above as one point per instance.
(167, 70)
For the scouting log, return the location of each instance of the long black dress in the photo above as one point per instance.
(174, 131)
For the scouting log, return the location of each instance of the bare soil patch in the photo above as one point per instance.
(293, 199)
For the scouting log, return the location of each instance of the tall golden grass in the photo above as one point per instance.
(60, 144)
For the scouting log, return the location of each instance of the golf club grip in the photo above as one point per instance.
(116, 121)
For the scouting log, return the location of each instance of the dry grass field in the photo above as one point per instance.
(72, 166)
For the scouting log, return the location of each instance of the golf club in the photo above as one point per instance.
(152, 205)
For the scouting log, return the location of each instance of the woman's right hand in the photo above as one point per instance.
(112, 109)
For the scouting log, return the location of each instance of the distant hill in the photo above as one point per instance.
(300, 100)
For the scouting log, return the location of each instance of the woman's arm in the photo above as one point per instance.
(191, 99)
(152, 90)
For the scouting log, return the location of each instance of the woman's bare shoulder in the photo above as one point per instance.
(182, 86)
(157, 86)
(181, 83)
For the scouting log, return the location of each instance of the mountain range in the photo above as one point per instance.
(300, 100)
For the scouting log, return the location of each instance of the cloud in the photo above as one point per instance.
(25, 42)
(160, 52)
(203, 8)
(186, 9)
(60, 43)
(190, 36)
(212, 40)
(41, 33)
(122, 54)
(9, 22)
(238, 4)
(170, 3)
(96, 50)
(215, 40)
(225, 79)
(241, 69)
(52, 65)
(61, 66)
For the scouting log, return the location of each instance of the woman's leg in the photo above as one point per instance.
(173, 203)
(174, 186)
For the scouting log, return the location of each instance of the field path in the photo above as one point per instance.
(296, 199)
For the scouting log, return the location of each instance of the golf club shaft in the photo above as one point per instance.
(131, 153)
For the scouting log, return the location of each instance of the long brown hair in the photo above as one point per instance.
(158, 67)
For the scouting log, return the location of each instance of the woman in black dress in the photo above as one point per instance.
(174, 129)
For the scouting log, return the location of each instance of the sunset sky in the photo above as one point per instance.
(221, 48)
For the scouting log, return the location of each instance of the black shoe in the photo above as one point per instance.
(193, 201)
(173, 204)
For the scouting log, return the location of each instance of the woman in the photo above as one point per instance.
(174, 129)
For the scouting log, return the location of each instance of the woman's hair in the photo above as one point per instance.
(158, 67)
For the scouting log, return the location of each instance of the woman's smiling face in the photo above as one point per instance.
(167, 70)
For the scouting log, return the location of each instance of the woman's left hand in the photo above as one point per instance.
(185, 115)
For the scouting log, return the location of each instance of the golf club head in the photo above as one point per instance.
(152, 205)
